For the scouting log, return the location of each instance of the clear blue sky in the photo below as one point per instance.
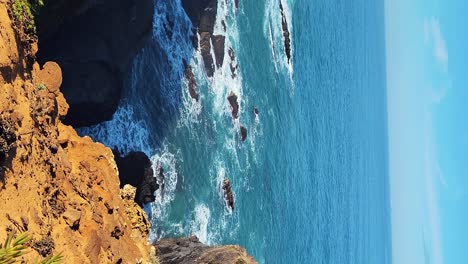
(427, 82)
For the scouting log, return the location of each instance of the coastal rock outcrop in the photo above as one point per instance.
(135, 169)
(192, 251)
(94, 44)
(202, 13)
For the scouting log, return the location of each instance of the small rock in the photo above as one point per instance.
(243, 133)
(228, 195)
(72, 218)
(232, 98)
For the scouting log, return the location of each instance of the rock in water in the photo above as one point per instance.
(286, 35)
(162, 180)
(192, 251)
(228, 194)
(232, 98)
(243, 133)
(191, 82)
(233, 64)
(218, 47)
(135, 169)
(202, 13)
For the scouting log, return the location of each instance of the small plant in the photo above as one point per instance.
(41, 86)
(13, 249)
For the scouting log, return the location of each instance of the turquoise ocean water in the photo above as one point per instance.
(311, 180)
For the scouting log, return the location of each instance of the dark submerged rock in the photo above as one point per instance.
(191, 82)
(243, 133)
(286, 35)
(232, 98)
(94, 44)
(135, 169)
(233, 64)
(162, 180)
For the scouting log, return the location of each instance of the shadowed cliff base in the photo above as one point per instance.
(94, 43)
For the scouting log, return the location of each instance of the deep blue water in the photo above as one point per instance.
(311, 180)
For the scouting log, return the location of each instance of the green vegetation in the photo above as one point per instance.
(14, 248)
(41, 86)
(23, 13)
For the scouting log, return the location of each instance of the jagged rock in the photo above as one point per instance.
(192, 251)
(228, 194)
(135, 169)
(138, 219)
(192, 83)
(286, 35)
(205, 49)
(94, 47)
(218, 47)
(202, 13)
(232, 98)
(243, 133)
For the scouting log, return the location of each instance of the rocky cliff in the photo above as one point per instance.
(61, 188)
(192, 251)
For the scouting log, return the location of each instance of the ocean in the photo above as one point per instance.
(311, 180)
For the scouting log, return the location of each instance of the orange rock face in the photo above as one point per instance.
(61, 188)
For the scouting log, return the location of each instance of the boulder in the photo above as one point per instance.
(94, 45)
(191, 250)
(135, 169)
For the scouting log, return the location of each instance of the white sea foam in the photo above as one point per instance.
(124, 132)
(200, 223)
(167, 161)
